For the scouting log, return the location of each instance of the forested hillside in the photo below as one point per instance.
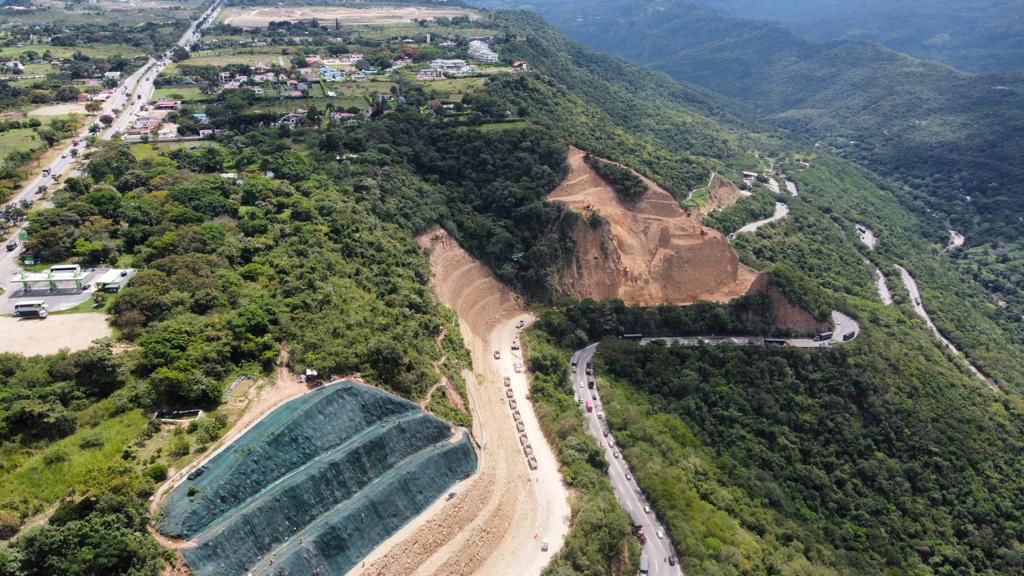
(976, 36)
(277, 237)
(945, 142)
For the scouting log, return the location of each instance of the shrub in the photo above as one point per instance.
(156, 472)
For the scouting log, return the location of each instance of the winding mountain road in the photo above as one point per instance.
(659, 550)
(915, 300)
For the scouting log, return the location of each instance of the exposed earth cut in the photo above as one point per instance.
(650, 252)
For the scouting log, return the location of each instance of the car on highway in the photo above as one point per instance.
(672, 560)
(497, 354)
(616, 454)
(520, 324)
(660, 534)
(605, 433)
(12, 245)
(518, 367)
(647, 509)
(601, 443)
(593, 395)
(629, 476)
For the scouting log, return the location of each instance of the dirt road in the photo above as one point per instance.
(500, 516)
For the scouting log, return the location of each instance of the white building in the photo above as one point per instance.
(447, 64)
(481, 51)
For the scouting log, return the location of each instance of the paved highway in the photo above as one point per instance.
(140, 89)
(842, 325)
(140, 83)
(659, 550)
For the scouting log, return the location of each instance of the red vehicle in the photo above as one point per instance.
(76, 141)
(590, 406)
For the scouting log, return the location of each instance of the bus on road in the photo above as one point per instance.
(590, 406)
(30, 309)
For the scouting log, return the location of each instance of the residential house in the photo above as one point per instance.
(167, 105)
(481, 51)
(111, 75)
(201, 117)
(331, 74)
(14, 66)
(313, 60)
(308, 74)
(447, 64)
(462, 72)
(144, 125)
(293, 119)
(428, 74)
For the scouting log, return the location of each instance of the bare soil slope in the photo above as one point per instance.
(651, 252)
(496, 521)
(722, 194)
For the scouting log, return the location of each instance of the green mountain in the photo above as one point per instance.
(951, 139)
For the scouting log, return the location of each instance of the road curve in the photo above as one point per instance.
(781, 210)
(659, 550)
(915, 300)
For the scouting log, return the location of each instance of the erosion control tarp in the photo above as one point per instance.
(316, 485)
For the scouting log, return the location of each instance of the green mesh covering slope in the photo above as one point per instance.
(317, 484)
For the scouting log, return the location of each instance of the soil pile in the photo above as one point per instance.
(649, 252)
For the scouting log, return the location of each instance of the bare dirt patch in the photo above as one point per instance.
(496, 521)
(650, 252)
(261, 17)
(59, 109)
(32, 336)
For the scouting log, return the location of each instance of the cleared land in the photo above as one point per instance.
(31, 336)
(260, 17)
(649, 252)
(496, 523)
(59, 109)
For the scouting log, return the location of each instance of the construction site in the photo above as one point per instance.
(315, 485)
(648, 252)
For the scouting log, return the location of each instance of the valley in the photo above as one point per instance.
(424, 289)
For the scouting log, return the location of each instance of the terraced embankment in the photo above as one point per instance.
(496, 524)
(316, 485)
(648, 252)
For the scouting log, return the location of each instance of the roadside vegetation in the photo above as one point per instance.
(766, 460)
(601, 540)
(746, 210)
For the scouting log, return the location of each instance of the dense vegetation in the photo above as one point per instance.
(601, 540)
(747, 209)
(951, 139)
(872, 458)
(627, 185)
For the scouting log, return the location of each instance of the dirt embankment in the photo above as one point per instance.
(788, 316)
(650, 252)
(491, 525)
(721, 194)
